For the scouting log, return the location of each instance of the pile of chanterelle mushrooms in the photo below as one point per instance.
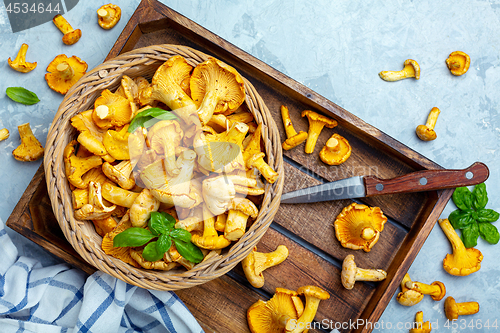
(202, 166)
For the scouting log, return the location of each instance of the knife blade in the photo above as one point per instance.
(367, 186)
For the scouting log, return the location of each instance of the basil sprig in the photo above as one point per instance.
(161, 226)
(472, 217)
(22, 95)
(149, 117)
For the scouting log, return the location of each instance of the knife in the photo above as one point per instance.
(367, 186)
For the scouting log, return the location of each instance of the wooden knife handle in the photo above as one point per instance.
(427, 180)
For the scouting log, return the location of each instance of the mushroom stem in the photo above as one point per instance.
(453, 64)
(299, 326)
(410, 69)
(65, 71)
(432, 117)
(436, 290)
(453, 309)
(368, 233)
(236, 224)
(315, 129)
(333, 145)
(363, 274)
(63, 25)
(21, 55)
(287, 122)
(457, 245)
(258, 162)
(104, 14)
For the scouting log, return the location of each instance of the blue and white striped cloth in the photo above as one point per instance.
(59, 299)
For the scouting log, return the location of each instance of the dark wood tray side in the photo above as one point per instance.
(315, 254)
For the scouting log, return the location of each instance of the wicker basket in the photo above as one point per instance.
(82, 235)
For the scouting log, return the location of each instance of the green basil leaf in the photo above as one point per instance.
(189, 251)
(164, 243)
(460, 219)
(149, 117)
(470, 234)
(480, 197)
(462, 198)
(22, 95)
(170, 220)
(487, 215)
(151, 253)
(489, 233)
(132, 237)
(181, 234)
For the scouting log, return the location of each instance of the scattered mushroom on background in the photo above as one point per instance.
(408, 297)
(421, 327)
(273, 315)
(71, 36)
(257, 262)
(359, 226)
(108, 16)
(316, 124)
(453, 310)
(19, 63)
(30, 148)
(426, 132)
(64, 72)
(336, 150)
(462, 261)
(436, 289)
(4, 134)
(458, 63)
(351, 273)
(410, 69)
(293, 138)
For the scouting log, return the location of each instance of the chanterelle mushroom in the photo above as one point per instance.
(216, 88)
(120, 174)
(452, 309)
(165, 87)
(410, 69)
(108, 16)
(462, 261)
(316, 124)
(426, 132)
(272, 316)
(4, 134)
(240, 209)
(30, 148)
(111, 110)
(336, 150)
(257, 262)
(76, 167)
(350, 273)
(210, 239)
(458, 63)
(408, 297)
(71, 36)
(313, 297)
(164, 136)
(117, 143)
(359, 226)
(218, 193)
(143, 206)
(293, 138)
(95, 209)
(436, 289)
(64, 72)
(19, 63)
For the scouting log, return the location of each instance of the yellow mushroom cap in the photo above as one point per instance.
(216, 88)
(359, 226)
(271, 316)
(336, 150)
(108, 16)
(313, 291)
(458, 63)
(61, 78)
(112, 110)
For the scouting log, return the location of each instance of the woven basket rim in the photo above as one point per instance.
(108, 75)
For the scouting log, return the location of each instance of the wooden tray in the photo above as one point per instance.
(307, 230)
